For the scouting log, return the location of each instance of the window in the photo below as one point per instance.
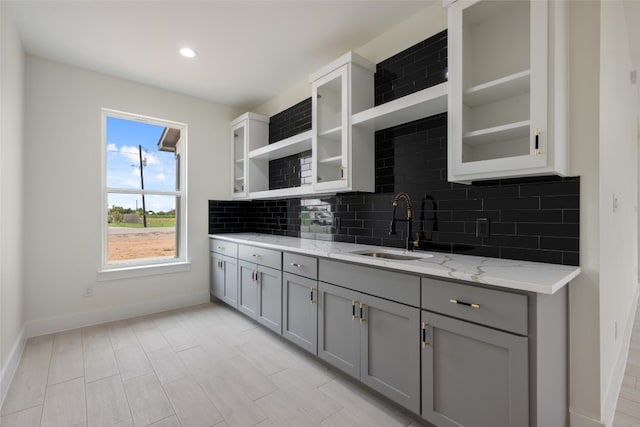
(144, 195)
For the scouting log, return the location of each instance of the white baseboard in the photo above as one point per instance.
(578, 420)
(9, 369)
(39, 327)
(611, 399)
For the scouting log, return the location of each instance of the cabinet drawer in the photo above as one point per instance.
(399, 287)
(224, 247)
(502, 310)
(301, 265)
(262, 256)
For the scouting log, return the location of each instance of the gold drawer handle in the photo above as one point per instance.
(293, 264)
(424, 341)
(455, 301)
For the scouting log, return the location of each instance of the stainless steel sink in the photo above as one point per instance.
(398, 255)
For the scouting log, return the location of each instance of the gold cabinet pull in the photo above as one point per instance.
(353, 309)
(424, 342)
(468, 304)
(362, 319)
(537, 142)
(293, 264)
(311, 301)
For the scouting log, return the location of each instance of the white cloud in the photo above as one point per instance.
(161, 177)
(130, 153)
(133, 154)
(112, 148)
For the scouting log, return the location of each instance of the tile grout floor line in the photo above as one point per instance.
(205, 365)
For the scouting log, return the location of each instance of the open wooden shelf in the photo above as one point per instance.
(286, 147)
(427, 102)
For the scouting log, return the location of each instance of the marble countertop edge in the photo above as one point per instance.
(528, 276)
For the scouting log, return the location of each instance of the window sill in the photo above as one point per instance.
(127, 272)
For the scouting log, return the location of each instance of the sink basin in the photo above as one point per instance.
(397, 255)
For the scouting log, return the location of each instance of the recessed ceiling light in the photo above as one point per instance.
(187, 52)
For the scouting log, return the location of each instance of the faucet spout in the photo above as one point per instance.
(392, 226)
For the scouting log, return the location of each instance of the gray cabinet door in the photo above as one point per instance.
(390, 350)
(216, 278)
(473, 375)
(300, 311)
(247, 289)
(230, 267)
(339, 328)
(269, 309)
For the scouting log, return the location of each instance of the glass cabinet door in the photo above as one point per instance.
(238, 134)
(331, 127)
(498, 79)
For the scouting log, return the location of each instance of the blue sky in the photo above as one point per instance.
(123, 164)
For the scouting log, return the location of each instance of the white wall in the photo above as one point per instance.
(584, 99)
(62, 184)
(11, 191)
(618, 176)
(603, 120)
(427, 22)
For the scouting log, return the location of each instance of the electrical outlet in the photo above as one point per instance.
(482, 227)
(87, 291)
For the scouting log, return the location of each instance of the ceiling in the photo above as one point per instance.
(247, 51)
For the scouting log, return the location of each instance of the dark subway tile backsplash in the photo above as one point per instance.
(291, 171)
(416, 68)
(530, 218)
(534, 219)
(290, 122)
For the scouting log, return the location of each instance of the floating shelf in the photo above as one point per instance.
(496, 90)
(240, 178)
(240, 160)
(427, 102)
(282, 192)
(498, 133)
(286, 147)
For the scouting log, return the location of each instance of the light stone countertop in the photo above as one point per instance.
(518, 275)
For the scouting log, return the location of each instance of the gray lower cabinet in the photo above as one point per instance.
(260, 294)
(216, 279)
(300, 311)
(372, 339)
(224, 278)
(473, 375)
(339, 328)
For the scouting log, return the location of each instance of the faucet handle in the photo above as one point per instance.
(416, 243)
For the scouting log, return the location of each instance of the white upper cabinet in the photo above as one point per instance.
(342, 156)
(507, 89)
(248, 132)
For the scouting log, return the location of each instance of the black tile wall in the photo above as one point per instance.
(419, 67)
(292, 121)
(533, 218)
(260, 216)
(291, 171)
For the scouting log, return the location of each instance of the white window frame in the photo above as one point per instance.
(149, 266)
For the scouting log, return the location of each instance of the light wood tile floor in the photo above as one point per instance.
(628, 407)
(202, 366)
